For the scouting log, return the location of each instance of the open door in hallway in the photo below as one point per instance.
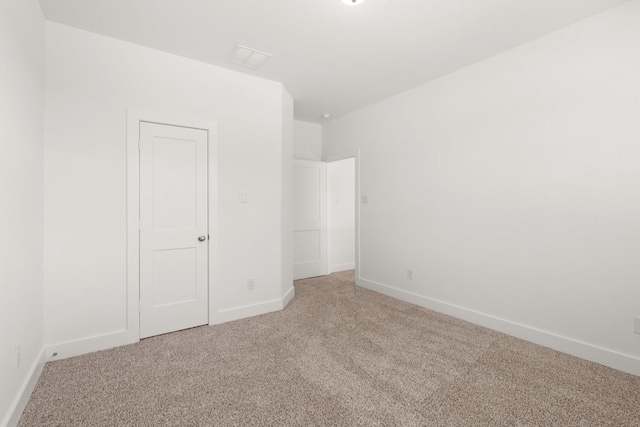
(310, 219)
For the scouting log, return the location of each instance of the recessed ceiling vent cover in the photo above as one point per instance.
(247, 57)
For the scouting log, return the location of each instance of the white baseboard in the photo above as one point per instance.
(20, 402)
(342, 267)
(288, 296)
(115, 339)
(89, 345)
(593, 353)
(245, 311)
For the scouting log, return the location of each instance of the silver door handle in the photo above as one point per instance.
(202, 238)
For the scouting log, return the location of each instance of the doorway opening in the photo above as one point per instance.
(341, 215)
(343, 212)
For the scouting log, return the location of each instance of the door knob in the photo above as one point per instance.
(202, 238)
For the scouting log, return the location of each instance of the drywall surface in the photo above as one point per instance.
(21, 193)
(341, 213)
(287, 195)
(91, 82)
(512, 188)
(307, 139)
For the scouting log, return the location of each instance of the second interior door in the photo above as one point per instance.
(310, 219)
(173, 228)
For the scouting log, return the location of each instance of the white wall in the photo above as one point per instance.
(21, 217)
(91, 81)
(511, 188)
(307, 139)
(287, 196)
(341, 231)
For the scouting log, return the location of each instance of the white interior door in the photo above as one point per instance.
(310, 219)
(173, 228)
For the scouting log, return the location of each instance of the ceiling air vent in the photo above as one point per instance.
(247, 57)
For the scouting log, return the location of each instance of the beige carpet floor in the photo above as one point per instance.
(338, 355)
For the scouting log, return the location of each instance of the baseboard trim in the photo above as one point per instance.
(251, 310)
(342, 267)
(89, 345)
(622, 362)
(20, 402)
(119, 338)
(288, 296)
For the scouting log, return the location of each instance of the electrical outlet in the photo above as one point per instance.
(251, 284)
(637, 324)
(409, 274)
(18, 356)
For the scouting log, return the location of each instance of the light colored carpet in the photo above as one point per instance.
(338, 355)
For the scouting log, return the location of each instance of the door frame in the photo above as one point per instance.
(134, 117)
(355, 154)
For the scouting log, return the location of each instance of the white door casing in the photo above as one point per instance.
(310, 219)
(173, 228)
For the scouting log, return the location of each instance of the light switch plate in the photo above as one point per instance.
(637, 324)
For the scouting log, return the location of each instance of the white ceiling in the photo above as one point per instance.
(331, 57)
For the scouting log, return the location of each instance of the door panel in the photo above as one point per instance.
(310, 219)
(307, 244)
(171, 266)
(174, 175)
(173, 215)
